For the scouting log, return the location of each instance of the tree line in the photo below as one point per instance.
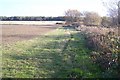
(93, 18)
(71, 16)
(89, 18)
(31, 18)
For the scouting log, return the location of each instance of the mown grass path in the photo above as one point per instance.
(60, 53)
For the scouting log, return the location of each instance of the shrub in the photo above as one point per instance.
(105, 48)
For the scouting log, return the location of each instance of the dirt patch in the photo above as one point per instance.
(13, 33)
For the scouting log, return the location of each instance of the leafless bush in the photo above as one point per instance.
(105, 42)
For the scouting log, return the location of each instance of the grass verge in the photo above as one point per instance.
(60, 53)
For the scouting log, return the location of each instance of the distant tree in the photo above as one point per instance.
(92, 18)
(112, 8)
(106, 21)
(72, 16)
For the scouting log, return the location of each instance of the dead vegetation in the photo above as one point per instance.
(104, 43)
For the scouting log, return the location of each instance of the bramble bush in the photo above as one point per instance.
(105, 48)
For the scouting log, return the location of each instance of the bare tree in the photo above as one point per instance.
(119, 13)
(92, 18)
(72, 15)
(112, 8)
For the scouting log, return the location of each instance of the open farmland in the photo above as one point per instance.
(42, 58)
(42, 39)
(13, 33)
(30, 22)
(47, 52)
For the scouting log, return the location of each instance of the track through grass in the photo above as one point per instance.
(60, 53)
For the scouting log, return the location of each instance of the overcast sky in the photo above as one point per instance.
(48, 7)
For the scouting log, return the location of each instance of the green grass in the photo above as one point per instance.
(60, 53)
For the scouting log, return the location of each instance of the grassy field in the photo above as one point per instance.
(60, 53)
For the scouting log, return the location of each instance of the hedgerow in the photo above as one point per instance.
(105, 48)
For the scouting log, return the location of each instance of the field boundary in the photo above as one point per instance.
(30, 22)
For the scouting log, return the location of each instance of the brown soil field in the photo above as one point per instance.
(13, 33)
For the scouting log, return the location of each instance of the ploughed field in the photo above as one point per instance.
(13, 33)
